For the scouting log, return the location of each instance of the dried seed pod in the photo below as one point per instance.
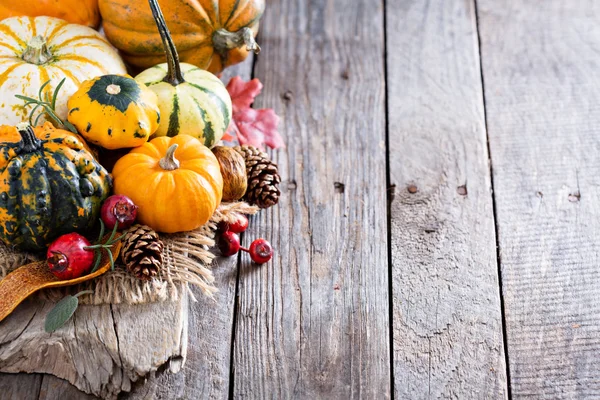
(233, 169)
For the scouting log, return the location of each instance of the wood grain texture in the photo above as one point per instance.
(20, 387)
(540, 67)
(446, 303)
(102, 350)
(54, 388)
(313, 322)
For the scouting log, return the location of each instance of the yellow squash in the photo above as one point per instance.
(114, 112)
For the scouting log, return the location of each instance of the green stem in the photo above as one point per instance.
(223, 40)
(37, 52)
(174, 74)
(29, 142)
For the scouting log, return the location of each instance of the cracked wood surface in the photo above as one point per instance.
(102, 350)
(540, 67)
(313, 323)
(447, 317)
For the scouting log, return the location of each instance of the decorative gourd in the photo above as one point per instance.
(191, 100)
(114, 112)
(209, 34)
(50, 184)
(176, 183)
(233, 170)
(82, 12)
(35, 50)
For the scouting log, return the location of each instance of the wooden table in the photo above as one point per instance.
(438, 234)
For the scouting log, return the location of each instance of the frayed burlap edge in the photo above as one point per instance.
(187, 258)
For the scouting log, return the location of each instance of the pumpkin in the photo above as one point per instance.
(176, 183)
(36, 50)
(114, 112)
(191, 100)
(50, 184)
(82, 12)
(210, 34)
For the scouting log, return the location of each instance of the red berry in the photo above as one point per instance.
(118, 208)
(68, 257)
(239, 226)
(261, 251)
(229, 244)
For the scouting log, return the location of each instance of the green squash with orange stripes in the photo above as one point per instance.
(50, 184)
(192, 101)
(210, 34)
(34, 50)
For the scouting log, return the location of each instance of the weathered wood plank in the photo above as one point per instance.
(447, 316)
(20, 387)
(540, 65)
(313, 323)
(54, 388)
(96, 352)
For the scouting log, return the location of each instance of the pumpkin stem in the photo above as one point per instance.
(29, 142)
(174, 75)
(37, 52)
(113, 89)
(223, 40)
(169, 162)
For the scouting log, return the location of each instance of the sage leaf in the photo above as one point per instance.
(61, 313)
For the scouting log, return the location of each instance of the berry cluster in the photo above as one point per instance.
(260, 250)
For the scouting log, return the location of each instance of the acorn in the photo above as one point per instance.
(233, 169)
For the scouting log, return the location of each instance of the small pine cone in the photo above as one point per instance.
(263, 178)
(142, 252)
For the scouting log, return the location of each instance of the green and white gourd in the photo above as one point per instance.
(192, 101)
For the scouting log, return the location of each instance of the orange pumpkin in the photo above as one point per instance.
(210, 34)
(82, 12)
(176, 182)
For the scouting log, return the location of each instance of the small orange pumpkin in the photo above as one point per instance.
(176, 183)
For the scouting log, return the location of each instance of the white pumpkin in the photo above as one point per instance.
(35, 50)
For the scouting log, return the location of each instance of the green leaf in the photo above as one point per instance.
(61, 313)
(55, 94)
(101, 234)
(112, 261)
(97, 259)
(113, 233)
(42, 88)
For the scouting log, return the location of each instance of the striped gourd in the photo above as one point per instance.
(36, 50)
(191, 100)
(210, 34)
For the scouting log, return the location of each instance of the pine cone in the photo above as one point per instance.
(263, 179)
(142, 252)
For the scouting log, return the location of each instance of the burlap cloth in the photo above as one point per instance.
(187, 258)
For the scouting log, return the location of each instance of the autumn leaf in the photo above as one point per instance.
(243, 93)
(255, 127)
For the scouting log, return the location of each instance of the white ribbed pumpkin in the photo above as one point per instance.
(35, 50)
